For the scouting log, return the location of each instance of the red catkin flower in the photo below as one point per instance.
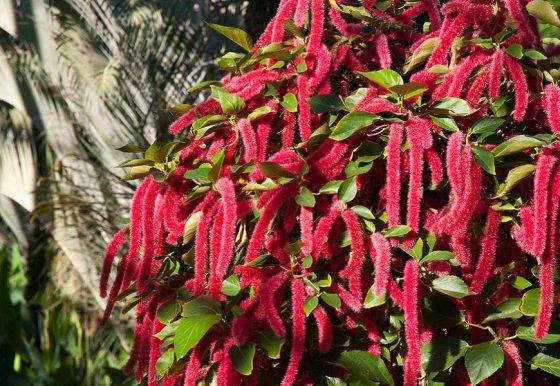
(201, 249)
(301, 12)
(413, 132)
(325, 329)
(248, 138)
(298, 332)
(394, 174)
(381, 254)
(514, 369)
(552, 107)
(515, 70)
(112, 249)
(306, 226)
(353, 269)
(267, 303)
(148, 242)
(411, 329)
(546, 283)
(229, 211)
(496, 67)
(383, 52)
(486, 261)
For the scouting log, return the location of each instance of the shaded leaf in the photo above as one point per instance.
(483, 360)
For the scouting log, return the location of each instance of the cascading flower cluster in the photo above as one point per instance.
(370, 196)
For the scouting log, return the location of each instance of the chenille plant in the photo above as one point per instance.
(369, 197)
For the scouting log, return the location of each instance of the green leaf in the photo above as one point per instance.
(200, 174)
(483, 360)
(191, 330)
(372, 301)
(242, 357)
(352, 123)
(544, 11)
(331, 381)
(446, 123)
(547, 363)
(236, 35)
(367, 365)
(230, 103)
(486, 125)
(306, 262)
(437, 256)
(451, 285)
(179, 109)
(289, 102)
(397, 231)
(534, 54)
(231, 285)
(132, 148)
(274, 170)
(454, 106)
(528, 333)
(168, 311)
(331, 299)
(331, 187)
(202, 305)
(164, 362)
(137, 172)
(515, 176)
(421, 53)
(515, 145)
(441, 352)
(441, 312)
(530, 302)
(270, 343)
(484, 158)
(409, 89)
(135, 162)
(325, 104)
(190, 227)
(305, 198)
(310, 304)
(362, 211)
(204, 84)
(259, 112)
(520, 283)
(348, 190)
(515, 50)
(385, 78)
(508, 309)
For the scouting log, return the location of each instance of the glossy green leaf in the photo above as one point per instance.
(516, 176)
(447, 123)
(441, 352)
(397, 231)
(515, 50)
(202, 305)
(516, 145)
(372, 301)
(310, 304)
(305, 198)
(348, 190)
(352, 123)
(230, 103)
(331, 299)
(274, 170)
(486, 125)
(242, 357)
(441, 312)
(421, 53)
(544, 11)
(363, 363)
(270, 343)
(530, 302)
(191, 330)
(362, 211)
(259, 112)
(168, 311)
(528, 333)
(451, 285)
(437, 256)
(289, 102)
(231, 285)
(164, 362)
(484, 158)
(236, 35)
(547, 363)
(454, 106)
(325, 103)
(331, 187)
(483, 360)
(385, 78)
(508, 309)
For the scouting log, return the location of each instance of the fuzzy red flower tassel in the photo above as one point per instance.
(411, 327)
